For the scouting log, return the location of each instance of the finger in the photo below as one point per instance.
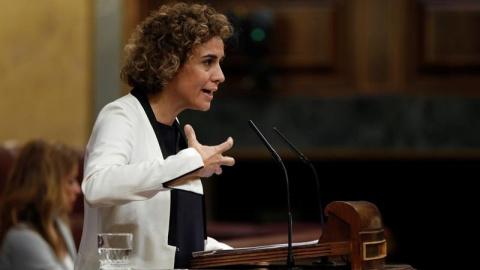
(190, 133)
(226, 145)
(218, 171)
(227, 161)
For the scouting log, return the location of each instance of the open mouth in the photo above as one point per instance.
(206, 91)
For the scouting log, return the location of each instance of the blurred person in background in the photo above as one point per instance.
(36, 201)
(142, 171)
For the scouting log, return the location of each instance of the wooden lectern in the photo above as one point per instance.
(353, 232)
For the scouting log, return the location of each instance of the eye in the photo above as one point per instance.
(208, 62)
(71, 181)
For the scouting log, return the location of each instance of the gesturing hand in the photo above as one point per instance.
(212, 156)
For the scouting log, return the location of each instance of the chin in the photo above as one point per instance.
(204, 108)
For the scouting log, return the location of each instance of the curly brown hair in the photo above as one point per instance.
(161, 44)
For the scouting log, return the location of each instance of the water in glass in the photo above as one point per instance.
(114, 250)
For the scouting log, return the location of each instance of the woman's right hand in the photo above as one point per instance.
(212, 156)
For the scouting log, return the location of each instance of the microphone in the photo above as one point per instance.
(290, 258)
(306, 161)
(324, 260)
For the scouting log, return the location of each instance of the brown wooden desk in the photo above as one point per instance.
(353, 238)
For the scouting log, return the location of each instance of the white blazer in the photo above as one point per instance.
(123, 188)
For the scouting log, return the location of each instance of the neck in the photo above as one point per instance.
(163, 108)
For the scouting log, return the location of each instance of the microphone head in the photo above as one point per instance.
(265, 142)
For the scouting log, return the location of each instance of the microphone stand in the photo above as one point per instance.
(324, 260)
(290, 258)
(306, 161)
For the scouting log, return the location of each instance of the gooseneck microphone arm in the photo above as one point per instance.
(290, 258)
(306, 161)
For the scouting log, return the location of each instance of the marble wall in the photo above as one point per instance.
(389, 123)
(45, 70)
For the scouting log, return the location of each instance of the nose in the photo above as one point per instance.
(218, 76)
(76, 188)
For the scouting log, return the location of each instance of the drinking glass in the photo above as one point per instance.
(114, 250)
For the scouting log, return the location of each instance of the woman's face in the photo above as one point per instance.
(197, 80)
(71, 188)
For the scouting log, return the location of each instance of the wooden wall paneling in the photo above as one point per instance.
(304, 48)
(379, 45)
(303, 37)
(352, 47)
(132, 17)
(136, 11)
(301, 52)
(451, 37)
(399, 14)
(376, 65)
(447, 48)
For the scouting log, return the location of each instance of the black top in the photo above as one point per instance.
(169, 135)
(187, 229)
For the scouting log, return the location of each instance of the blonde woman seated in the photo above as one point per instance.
(39, 194)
